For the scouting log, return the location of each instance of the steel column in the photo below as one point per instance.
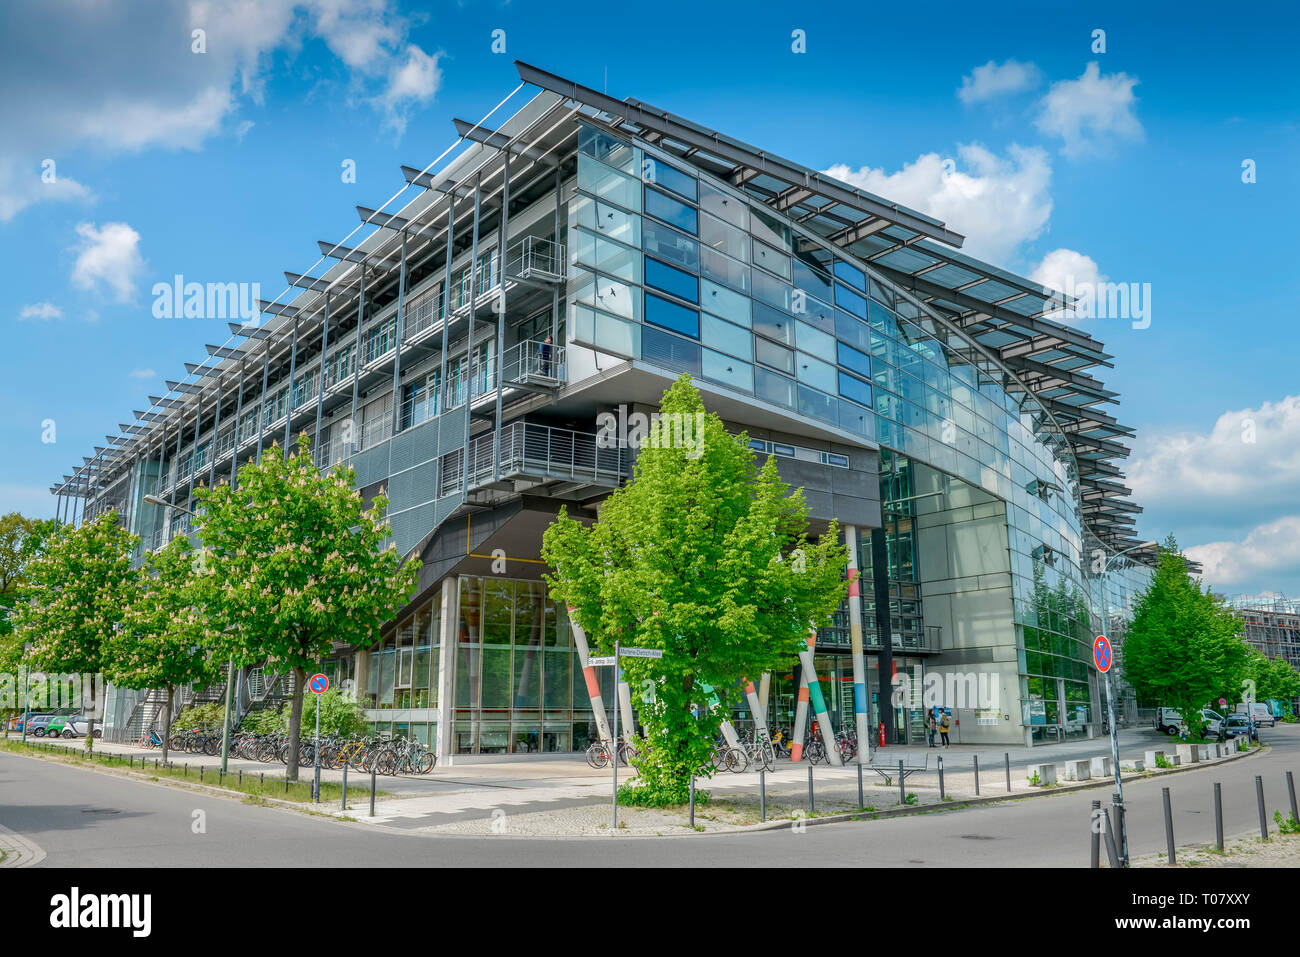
(400, 335)
(862, 719)
(288, 398)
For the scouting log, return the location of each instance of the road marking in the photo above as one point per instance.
(18, 851)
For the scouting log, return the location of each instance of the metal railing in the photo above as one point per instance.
(528, 448)
(534, 258)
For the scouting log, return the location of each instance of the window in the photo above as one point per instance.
(814, 341)
(851, 275)
(854, 388)
(771, 290)
(661, 312)
(728, 371)
(670, 351)
(769, 258)
(609, 257)
(718, 235)
(815, 372)
(723, 205)
(662, 206)
(774, 388)
(852, 331)
(778, 357)
(608, 184)
(812, 281)
(670, 280)
(605, 333)
(726, 337)
(847, 299)
(853, 359)
(724, 269)
(670, 245)
(606, 148)
(725, 303)
(818, 405)
(655, 170)
(773, 324)
(606, 219)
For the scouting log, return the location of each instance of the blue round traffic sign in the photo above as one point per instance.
(318, 684)
(1102, 653)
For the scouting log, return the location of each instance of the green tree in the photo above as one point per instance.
(1273, 678)
(79, 584)
(298, 563)
(1184, 648)
(706, 557)
(167, 631)
(19, 544)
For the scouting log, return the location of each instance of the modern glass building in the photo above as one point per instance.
(572, 260)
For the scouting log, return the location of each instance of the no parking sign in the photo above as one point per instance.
(1102, 655)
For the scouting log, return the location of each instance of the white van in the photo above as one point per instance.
(1259, 713)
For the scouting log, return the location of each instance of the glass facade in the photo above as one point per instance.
(733, 294)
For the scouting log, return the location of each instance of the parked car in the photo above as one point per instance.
(1236, 726)
(65, 726)
(1168, 721)
(1260, 712)
(38, 723)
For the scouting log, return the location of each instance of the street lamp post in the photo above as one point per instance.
(27, 686)
(1110, 708)
(230, 665)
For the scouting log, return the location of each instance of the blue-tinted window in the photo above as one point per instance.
(655, 170)
(670, 351)
(818, 404)
(855, 389)
(880, 318)
(847, 299)
(662, 206)
(851, 275)
(853, 359)
(672, 316)
(681, 284)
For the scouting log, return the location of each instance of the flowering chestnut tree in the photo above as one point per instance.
(298, 563)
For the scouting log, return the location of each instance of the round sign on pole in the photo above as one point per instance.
(318, 684)
(1223, 702)
(1102, 654)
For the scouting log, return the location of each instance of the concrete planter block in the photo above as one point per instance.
(1188, 753)
(1046, 773)
(1076, 770)
(1204, 750)
(1152, 759)
(1100, 767)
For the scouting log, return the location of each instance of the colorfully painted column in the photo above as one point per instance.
(860, 715)
(817, 702)
(593, 683)
(800, 716)
(756, 707)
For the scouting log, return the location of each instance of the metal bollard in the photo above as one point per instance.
(200, 774)
(345, 785)
(1112, 847)
(372, 790)
(693, 798)
(1218, 816)
(1290, 786)
(941, 777)
(241, 778)
(902, 790)
(1006, 755)
(1121, 837)
(812, 802)
(977, 775)
(261, 778)
(1263, 821)
(286, 782)
(861, 801)
(1093, 819)
(762, 795)
(1169, 827)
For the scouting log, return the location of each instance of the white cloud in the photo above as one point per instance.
(143, 374)
(997, 202)
(41, 310)
(121, 83)
(411, 83)
(1092, 111)
(1248, 460)
(993, 80)
(1065, 271)
(1268, 554)
(108, 258)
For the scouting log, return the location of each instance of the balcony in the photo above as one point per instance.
(535, 457)
(537, 260)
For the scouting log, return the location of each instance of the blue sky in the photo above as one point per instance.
(1050, 156)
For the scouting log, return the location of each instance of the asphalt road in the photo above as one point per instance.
(83, 818)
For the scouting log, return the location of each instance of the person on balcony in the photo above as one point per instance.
(545, 351)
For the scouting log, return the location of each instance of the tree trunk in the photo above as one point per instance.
(295, 722)
(167, 725)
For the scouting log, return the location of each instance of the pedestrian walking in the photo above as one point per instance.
(943, 729)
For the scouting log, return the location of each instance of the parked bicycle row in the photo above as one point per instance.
(385, 755)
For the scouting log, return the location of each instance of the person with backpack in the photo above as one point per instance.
(943, 728)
